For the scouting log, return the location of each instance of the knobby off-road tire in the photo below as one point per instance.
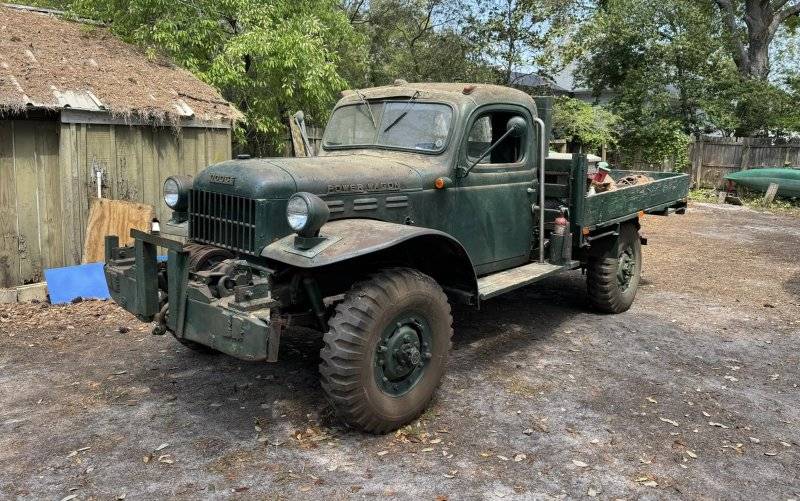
(386, 349)
(612, 279)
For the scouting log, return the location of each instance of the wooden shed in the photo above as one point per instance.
(74, 100)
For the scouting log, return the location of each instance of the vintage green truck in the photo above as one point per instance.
(422, 195)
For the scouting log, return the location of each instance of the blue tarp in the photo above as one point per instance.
(85, 280)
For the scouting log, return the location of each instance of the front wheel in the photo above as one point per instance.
(386, 349)
(612, 278)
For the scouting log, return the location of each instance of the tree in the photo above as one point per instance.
(751, 26)
(657, 58)
(582, 123)
(268, 58)
(523, 34)
(417, 40)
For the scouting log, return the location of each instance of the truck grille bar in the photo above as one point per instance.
(222, 220)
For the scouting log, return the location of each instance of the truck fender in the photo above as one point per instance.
(431, 251)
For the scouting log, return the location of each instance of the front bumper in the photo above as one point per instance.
(241, 324)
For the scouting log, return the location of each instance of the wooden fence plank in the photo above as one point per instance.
(128, 163)
(85, 180)
(9, 243)
(188, 152)
(151, 182)
(30, 255)
(219, 145)
(100, 155)
(168, 164)
(51, 217)
(70, 203)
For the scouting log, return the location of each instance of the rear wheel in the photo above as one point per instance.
(386, 349)
(612, 278)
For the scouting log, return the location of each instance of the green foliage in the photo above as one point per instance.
(514, 34)
(417, 40)
(668, 65)
(655, 56)
(748, 107)
(580, 122)
(268, 58)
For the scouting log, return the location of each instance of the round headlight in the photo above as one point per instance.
(306, 213)
(297, 213)
(176, 192)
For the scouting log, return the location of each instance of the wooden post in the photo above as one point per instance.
(697, 161)
(297, 139)
(769, 197)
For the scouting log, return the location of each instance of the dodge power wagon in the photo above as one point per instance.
(422, 196)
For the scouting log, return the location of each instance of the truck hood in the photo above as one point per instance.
(279, 178)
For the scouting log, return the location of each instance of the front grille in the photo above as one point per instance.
(223, 220)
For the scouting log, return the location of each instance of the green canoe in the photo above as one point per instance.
(788, 180)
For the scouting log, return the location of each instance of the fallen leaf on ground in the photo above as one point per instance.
(520, 457)
(652, 400)
(754, 440)
(502, 458)
(718, 425)
(162, 447)
(435, 441)
(691, 454)
(383, 453)
(579, 464)
(427, 449)
(673, 423)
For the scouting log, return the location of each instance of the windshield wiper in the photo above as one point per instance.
(409, 105)
(369, 108)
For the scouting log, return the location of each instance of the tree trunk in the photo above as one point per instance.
(759, 17)
(762, 18)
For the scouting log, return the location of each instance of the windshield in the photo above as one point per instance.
(408, 124)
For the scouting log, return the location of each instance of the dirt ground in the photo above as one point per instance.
(693, 393)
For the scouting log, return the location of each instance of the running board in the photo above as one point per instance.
(508, 280)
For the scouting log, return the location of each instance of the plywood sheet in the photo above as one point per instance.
(113, 217)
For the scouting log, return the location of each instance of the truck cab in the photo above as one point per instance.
(422, 195)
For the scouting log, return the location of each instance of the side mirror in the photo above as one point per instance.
(516, 126)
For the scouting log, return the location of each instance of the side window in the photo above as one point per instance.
(487, 129)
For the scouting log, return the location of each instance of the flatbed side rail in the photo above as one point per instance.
(668, 190)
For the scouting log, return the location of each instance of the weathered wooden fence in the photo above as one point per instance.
(47, 179)
(714, 157)
(314, 138)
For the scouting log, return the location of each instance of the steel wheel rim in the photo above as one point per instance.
(626, 268)
(402, 354)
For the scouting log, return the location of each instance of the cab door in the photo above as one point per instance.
(491, 207)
